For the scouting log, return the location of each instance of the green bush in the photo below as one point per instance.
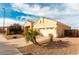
(15, 29)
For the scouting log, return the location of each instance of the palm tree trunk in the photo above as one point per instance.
(35, 41)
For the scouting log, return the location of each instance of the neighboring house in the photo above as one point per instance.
(3, 29)
(48, 26)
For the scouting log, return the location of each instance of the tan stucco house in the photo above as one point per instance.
(48, 26)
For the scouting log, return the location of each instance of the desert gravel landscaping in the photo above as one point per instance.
(72, 49)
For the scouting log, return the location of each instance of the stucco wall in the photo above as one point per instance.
(44, 23)
(46, 26)
(28, 25)
(60, 29)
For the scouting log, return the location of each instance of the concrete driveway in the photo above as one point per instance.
(6, 48)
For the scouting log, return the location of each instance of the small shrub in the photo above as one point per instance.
(30, 35)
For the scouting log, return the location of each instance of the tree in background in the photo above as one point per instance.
(15, 29)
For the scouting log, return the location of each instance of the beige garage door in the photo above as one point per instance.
(46, 32)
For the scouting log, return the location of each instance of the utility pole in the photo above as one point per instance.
(3, 19)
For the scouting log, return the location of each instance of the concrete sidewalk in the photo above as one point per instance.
(6, 48)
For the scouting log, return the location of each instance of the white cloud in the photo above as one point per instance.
(24, 18)
(9, 22)
(46, 11)
(36, 9)
(74, 6)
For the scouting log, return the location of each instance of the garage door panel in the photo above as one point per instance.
(46, 32)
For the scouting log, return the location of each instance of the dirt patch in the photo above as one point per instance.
(32, 49)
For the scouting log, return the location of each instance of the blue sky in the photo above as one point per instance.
(11, 13)
(67, 13)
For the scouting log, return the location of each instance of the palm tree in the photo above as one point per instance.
(30, 35)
